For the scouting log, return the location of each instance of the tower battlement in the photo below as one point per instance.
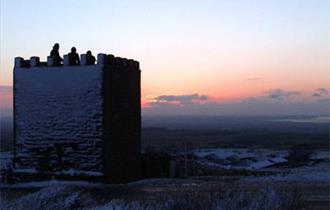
(82, 118)
(102, 59)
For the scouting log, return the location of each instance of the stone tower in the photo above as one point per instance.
(78, 119)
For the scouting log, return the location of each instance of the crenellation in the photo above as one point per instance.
(119, 62)
(50, 61)
(83, 59)
(111, 60)
(131, 64)
(102, 59)
(18, 62)
(34, 61)
(26, 64)
(66, 61)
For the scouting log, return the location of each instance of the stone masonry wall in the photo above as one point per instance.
(58, 117)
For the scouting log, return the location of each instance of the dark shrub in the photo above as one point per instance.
(299, 154)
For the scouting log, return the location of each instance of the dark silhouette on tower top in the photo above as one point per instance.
(90, 59)
(73, 57)
(55, 55)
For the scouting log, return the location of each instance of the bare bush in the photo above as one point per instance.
(299, 154)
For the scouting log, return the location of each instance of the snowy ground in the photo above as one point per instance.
(313, 178)
(155, 194)
(318, 169)
(318, 172)
(241, 158)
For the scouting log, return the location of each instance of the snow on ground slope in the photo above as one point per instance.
(51, 198)
(241, 158)
(317, 172)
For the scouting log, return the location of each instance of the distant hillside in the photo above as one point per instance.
(6, 133)
(6, 100)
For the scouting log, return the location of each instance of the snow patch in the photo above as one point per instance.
(240, 158)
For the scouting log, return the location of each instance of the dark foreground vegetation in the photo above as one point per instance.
(158, 194)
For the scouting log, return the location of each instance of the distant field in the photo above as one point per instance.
(228, 132)
(286, 124)
(215, 131)
(6, 133)
(247, 138)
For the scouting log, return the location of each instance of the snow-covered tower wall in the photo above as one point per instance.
(78, 117)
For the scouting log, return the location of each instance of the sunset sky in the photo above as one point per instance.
(196, 57)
